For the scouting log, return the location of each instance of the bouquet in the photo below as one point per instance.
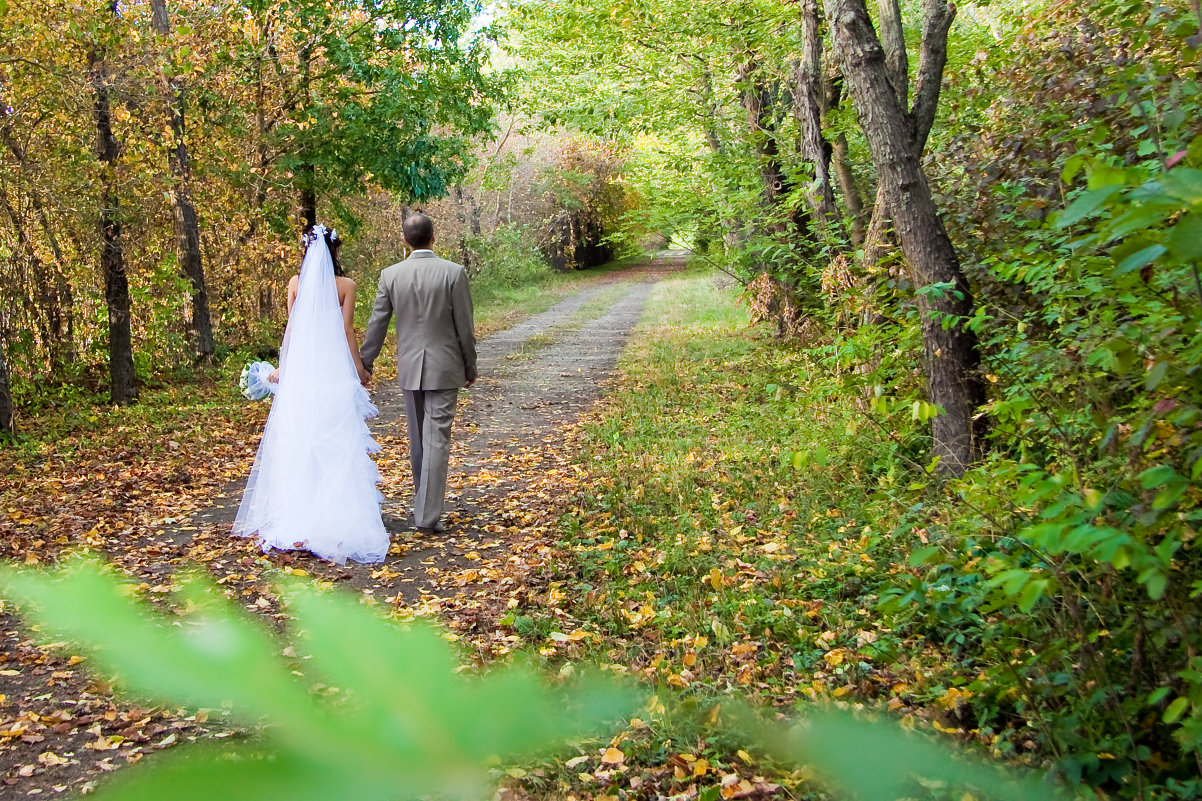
(255, 381)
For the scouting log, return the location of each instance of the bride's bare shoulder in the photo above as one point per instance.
(346, 288)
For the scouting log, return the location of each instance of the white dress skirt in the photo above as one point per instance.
(313, 484)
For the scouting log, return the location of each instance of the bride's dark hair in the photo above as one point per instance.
(333, 243)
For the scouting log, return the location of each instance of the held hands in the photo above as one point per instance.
(364, 375)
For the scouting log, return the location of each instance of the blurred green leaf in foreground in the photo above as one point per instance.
(405, 723)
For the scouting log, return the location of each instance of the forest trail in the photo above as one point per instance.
(535, 379)
(511, 466)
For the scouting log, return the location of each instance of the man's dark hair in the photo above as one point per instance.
(419, 231)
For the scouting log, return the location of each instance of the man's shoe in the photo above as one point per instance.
(437, 529)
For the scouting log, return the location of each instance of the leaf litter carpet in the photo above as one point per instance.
(156, 510)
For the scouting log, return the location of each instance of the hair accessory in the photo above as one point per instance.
(313, 234)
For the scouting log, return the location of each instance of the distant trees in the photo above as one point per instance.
(765, 87)
(559, 191)
(178, 145)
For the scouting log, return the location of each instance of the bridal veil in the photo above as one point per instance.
(313, 484)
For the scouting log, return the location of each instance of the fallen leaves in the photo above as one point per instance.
(612, 756)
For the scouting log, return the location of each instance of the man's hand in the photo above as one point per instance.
(469, 383)
(364, 376)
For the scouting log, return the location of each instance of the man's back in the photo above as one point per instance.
(436, 344)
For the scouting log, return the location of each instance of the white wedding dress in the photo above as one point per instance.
(313, 484)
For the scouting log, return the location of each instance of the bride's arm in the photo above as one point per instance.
(348, 323)
(293, 282)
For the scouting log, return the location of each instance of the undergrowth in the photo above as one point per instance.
(759, 521)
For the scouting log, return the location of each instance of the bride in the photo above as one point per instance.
(313, 484)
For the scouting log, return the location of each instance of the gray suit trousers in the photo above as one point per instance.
(429, 413)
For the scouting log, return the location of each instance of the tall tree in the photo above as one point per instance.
(389, 94)
(187, 227)
(897, 69)
(810, 102)
(896, 138)
(6, 397)
(760, 104)
(122, 382)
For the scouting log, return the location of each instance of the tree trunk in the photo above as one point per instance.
(951, 356)
(710, 110)
(936, 22)
(187, 228)
(848, 185)
(122, 387)
(809, 103)
(893, 40)
(876, 238)
(308, 199)
(897, 71)
(6, 397)
(849, 188)
(469, 218)
(307, 172)
(760, 125)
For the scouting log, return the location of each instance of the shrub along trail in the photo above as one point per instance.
(155, 487)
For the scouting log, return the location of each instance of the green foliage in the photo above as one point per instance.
(369, 117)
(394, 718)
(838, 744)
(1071, 566)
(1058, 579)
(508, 259)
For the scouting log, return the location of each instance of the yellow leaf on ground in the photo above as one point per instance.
(613, 756)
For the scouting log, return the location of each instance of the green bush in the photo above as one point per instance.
(1068, 567)
(505, 260)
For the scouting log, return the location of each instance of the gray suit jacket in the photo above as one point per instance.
(436, 343)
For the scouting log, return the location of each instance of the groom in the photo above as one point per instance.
(435, 354)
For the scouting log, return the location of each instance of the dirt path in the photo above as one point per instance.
(60, 728)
